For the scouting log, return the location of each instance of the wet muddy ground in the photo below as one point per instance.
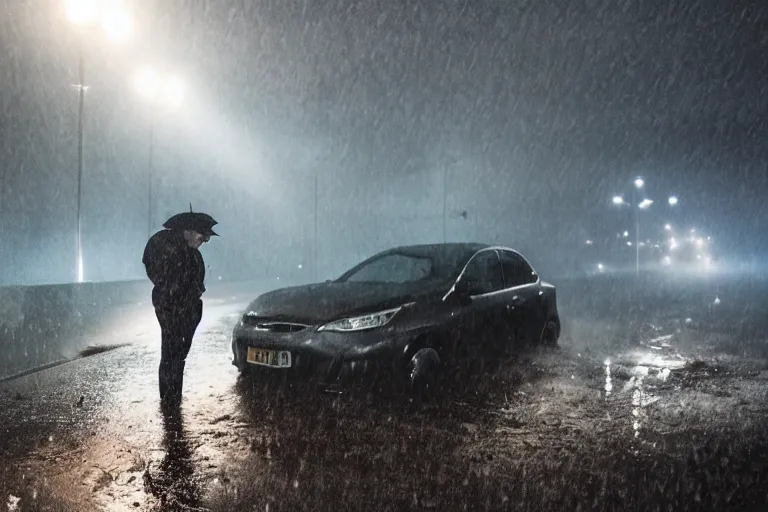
(675, 420)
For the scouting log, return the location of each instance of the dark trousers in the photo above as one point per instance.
(178, 323)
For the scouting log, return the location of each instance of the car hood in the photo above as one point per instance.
(319, 303)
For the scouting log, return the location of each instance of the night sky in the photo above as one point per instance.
(537, 113)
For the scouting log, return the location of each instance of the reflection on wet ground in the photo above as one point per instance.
(173, 482)
(659, 424)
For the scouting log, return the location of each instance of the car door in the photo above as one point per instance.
(482, 320)
(522, 297)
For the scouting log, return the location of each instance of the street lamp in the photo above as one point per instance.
(646, 203)
(167, 91)
(116, 23)
(672, 200)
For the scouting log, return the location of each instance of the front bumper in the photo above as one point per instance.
(321, 356)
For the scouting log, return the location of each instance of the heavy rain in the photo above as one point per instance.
(455, 255)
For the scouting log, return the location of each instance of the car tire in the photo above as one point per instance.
(422, 371)
(550, 333)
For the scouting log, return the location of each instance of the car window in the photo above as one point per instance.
(483, 273)
(393, 268)
(517, 271)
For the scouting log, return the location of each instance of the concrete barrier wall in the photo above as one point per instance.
(41, 325)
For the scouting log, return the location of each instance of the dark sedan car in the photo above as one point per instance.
(414, 311)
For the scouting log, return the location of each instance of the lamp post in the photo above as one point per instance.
(167, 92)
(639, 183)
(116, 23)
(315, 248)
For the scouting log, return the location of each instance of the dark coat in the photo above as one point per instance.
(176, 269)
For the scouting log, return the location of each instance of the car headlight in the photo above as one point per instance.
(363, 322)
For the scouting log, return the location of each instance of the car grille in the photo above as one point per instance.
(264, 324)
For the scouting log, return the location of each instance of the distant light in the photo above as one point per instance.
(589, 242)
(600, 267)
(672, 200)
(645, 204)
(693, 230)
(626, 234)
(668, 227)
(171, 91)
(117, 22)
(639, 183)
(80, 12)
(699, 242)
(717, 300)
(300, 265)
(641, 244)
(618, 200)
(698, 256)
(709, 238)
(667, 260)
(629, 244)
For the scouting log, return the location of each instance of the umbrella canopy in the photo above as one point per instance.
(195, 221)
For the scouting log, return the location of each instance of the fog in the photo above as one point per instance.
(319, 134)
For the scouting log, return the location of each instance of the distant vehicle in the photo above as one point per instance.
(413, 310)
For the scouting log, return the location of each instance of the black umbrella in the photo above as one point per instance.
(195, 221)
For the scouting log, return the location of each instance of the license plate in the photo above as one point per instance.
(267, 357)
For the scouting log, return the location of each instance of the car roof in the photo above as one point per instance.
(452, 251)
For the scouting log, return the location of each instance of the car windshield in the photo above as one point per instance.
(392, 268)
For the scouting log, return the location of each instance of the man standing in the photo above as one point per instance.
(175, 266)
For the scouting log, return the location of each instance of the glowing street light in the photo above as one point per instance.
(618, 200)
(639, 183)
(668, 227)
(116, 22)
(80, 12)
(672, 200)
(167, 91)
(645, 204)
